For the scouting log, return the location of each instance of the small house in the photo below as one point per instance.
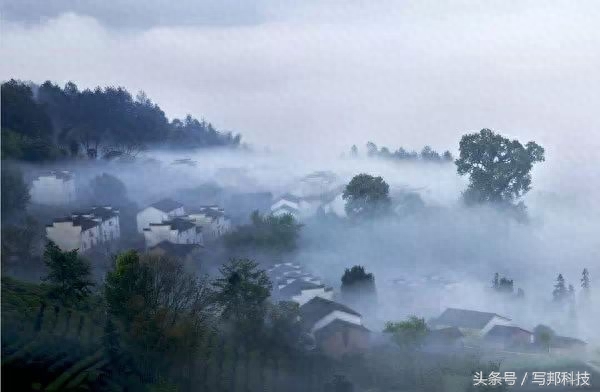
(469, 322)
(53, 188)
(158, 212)
(176, 231)
(212, 219)
(508, 337)
(336, 328)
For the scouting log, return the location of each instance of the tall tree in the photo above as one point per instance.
(15, 193)
(560, 290)
(366, 196)
(68, 274)
(241, 295)
(499, 169)
(585, 281)
(358, 279)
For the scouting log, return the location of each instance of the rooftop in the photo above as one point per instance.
(288, 197)
(464, 318)
(297, 286)
(166, 205)
(176, 224)
(505, 331)
(318, 307)
(338, 325)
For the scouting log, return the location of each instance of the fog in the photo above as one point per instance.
(443, 255)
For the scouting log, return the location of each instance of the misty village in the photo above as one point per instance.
(322, 197)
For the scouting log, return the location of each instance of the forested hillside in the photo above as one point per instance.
(47, 122)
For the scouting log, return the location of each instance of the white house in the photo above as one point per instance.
(212, 220)
(84, 230)
(176, 231)
(158, 212)
(302, 291)
(54, 188)
(469, 322)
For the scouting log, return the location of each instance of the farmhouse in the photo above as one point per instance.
(336, 328)
(469, 322)
(302, 291)
(212, 220)
(176, 231)
(53, 188)
(158, 212)
(508, 337)
(84, 230)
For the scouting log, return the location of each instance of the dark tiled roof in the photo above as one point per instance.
(297, 286)
(288, 197)
(83, 222)
(166, 205)
(176, 224)
(103, 213)
(444, 334)
(318, 307)
(338, 325)
(463, 318)
(177, 250)
(505, 331)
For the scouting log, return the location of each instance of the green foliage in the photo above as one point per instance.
(160, 309)
(498, 168)
(366, 196)
(68, 274)
(269, 232)
(19, 242)
(357, 279)
(408, 334)
(15, 193)
(427, 154)
(241, 294)
(21, 113)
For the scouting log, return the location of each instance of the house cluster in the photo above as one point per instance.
(84, 230)
(304, 207)
(53, 188)
(494, 331)
(292, 283)
(167, 221)
(334, 329)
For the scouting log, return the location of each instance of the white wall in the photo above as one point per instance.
(307, 295)
(50, 190)
(150, 215)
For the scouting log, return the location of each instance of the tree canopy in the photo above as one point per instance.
(106, 122)
(15, 193)
(279, 233)
(68, 273)
(499, 169)
(357, 278)
(410, 333)
(366, 196)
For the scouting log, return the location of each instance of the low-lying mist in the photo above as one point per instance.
(439, 255)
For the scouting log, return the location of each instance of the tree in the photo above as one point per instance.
(366, 196)
(372, 149)
(499, 169)
(410, 333)
(354, 151)
(279, 233)
(69, 275)
(543, 336)
(357, 279)
(241, 294)
(585, 281)
(503, 284)
(447, 156)
(160, 309)
(15, 193)
(560, 290)
(108, 190)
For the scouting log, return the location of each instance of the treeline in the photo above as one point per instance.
(427, 154)
(47, 122)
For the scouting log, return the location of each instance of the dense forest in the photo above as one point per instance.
(47, 122)
(427, 154)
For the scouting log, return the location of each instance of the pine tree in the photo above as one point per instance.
(560, 291)
(496, 281)
(585, 281)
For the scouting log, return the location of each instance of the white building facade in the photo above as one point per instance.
(55, 188)
(159, 212)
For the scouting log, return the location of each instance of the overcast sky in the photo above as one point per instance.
(326, 74)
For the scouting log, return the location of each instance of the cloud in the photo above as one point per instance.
(319, 77)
